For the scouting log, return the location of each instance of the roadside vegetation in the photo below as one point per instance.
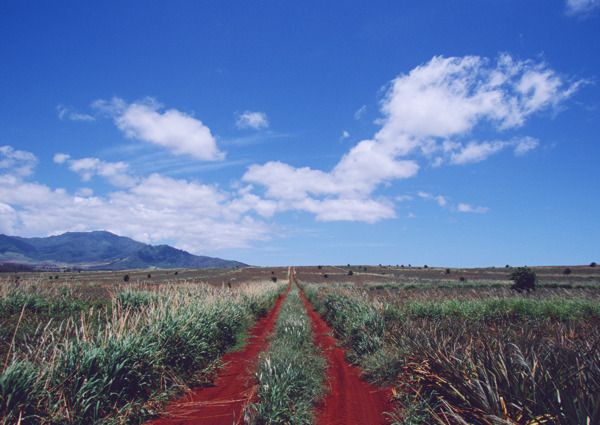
(513, 358)
(291, 373)
(67, 360)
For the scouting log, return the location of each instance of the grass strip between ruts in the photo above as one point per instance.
(291, 372)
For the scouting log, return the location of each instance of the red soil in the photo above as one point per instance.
(351, 401)
(224, 402)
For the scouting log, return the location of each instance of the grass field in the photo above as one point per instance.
(457, 345)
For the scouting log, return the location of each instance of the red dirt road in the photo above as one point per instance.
(224, 402)
(351, 401)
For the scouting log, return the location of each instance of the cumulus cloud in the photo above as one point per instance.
(427, 113)
(197, 217)
(449, 96)
(116, 173)
(174, 130)
(581, 7)
(17, 162)
(255, 120)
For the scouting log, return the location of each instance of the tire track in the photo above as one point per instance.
(351, 401)
(224, 402)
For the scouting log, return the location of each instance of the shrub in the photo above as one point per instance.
(447, 271)
(524, 279)
(350, 273)
(126, 278)
(593, 264)
(567, 270)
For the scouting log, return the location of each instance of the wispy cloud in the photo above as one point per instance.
(116, 173)
(17, 162)
(360, 112)
(466, 208)
(255, 120)
(581, 7)
(174, 130)
(69, 114)
(441, 200)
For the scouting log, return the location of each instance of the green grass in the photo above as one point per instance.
(113, 365)
(484, 361)
(291, 372)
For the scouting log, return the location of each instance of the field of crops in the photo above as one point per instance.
(473, 353)
(452, 346)
(82, 353)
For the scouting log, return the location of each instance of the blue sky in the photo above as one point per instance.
(448, 133)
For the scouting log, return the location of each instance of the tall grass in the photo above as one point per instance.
(115, 365)
(291, 372)
(491, 361)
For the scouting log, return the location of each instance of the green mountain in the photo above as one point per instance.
(99, 251)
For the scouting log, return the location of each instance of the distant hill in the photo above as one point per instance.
(99, 251)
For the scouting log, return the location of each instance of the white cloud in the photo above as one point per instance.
(449, 96)
(117, 173)
(441, 200)
(179, 132)
(61, 158)
(16, 162)
(524, 145)
(469, 209)
(581, 7)
(197, 217)
(345, 135)
(476, 152)
(255, 120)
(67, 113)
(425, 112)
(360, 112)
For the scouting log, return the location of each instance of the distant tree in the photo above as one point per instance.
(350, 272)
(325, 276)
(274, 279)
(126, 278)
(524, 279)
(567, 270)
(425, 266)
(593, 264)
(462, 279)
(149, 276)
(320, 267)
(447, 271)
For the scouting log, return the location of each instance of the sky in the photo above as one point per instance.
(452, 133)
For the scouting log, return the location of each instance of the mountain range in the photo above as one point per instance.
(99, 250)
